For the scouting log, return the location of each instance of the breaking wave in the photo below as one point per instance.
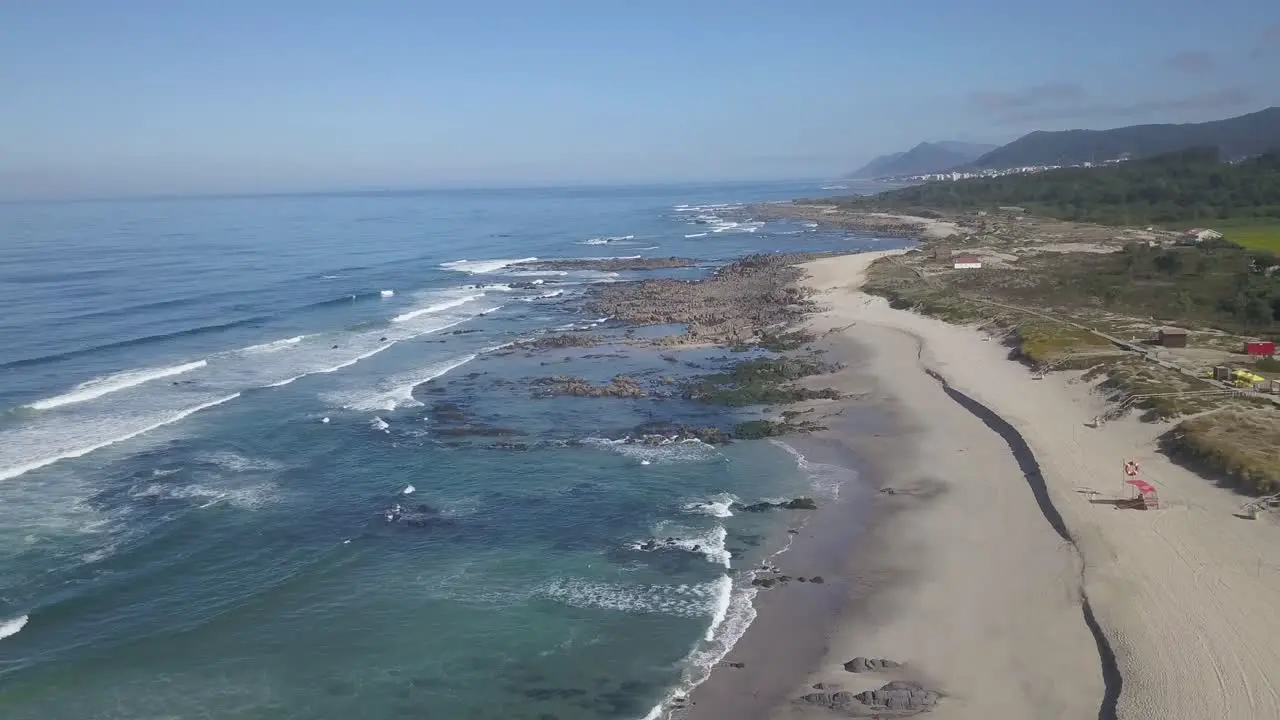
(98, 387)
(12, 626)
(719, 506)
(480, 267)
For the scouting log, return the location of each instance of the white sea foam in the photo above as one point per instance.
(274, 346)
(114, 383)
(665, 450)
(718, 506)
(543, 296)
(732, 613)
(12, 626)
(710, 545)
(88, 421)
(237, 463)
(479, 267)
(436, 307)
(202, 495)
(379, 424)
(825, 479)
(696, 235)
(387, 293)
(607, 240)
(677, 600)
(397, 391)
(705, 208)
(75, 441)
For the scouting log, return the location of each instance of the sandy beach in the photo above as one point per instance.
(995, 574)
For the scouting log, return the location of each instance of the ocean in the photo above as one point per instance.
(210, 407)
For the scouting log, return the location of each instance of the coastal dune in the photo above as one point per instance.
(1020, 596)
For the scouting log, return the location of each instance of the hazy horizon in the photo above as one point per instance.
(144, 98)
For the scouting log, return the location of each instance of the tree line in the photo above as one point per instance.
(1188, 187)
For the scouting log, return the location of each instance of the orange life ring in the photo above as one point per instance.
(1131, 468)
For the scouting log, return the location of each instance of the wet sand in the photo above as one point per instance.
(958, 574)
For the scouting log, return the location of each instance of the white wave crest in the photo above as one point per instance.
(98, 387)
(436, 307)
(718, 506)
(397, 392)
(480, 267)
(272, 346)
(12, 626)
(71, 444)
(711, 545)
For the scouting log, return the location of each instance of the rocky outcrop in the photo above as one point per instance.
(557, 342)
(900, 698)
(659, 432)
(419, 515)
(800, 503)
(620, 386)
(737, 305)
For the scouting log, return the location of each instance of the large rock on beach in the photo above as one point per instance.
(862, 664)
(899, 698)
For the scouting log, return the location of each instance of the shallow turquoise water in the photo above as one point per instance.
(208, 405)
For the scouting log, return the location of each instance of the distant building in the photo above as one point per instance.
(1172, 337)
(966, 262)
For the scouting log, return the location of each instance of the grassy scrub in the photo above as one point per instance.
(1252, 234)
(1238, 444)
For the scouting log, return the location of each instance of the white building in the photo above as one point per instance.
(1202, 234)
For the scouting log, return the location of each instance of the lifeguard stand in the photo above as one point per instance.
(1137, 494)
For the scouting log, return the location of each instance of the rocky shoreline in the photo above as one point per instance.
(740, 304)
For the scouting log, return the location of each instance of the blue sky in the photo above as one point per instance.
(140, 97)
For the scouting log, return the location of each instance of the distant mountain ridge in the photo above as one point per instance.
(925, 158)
(1237, 137)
